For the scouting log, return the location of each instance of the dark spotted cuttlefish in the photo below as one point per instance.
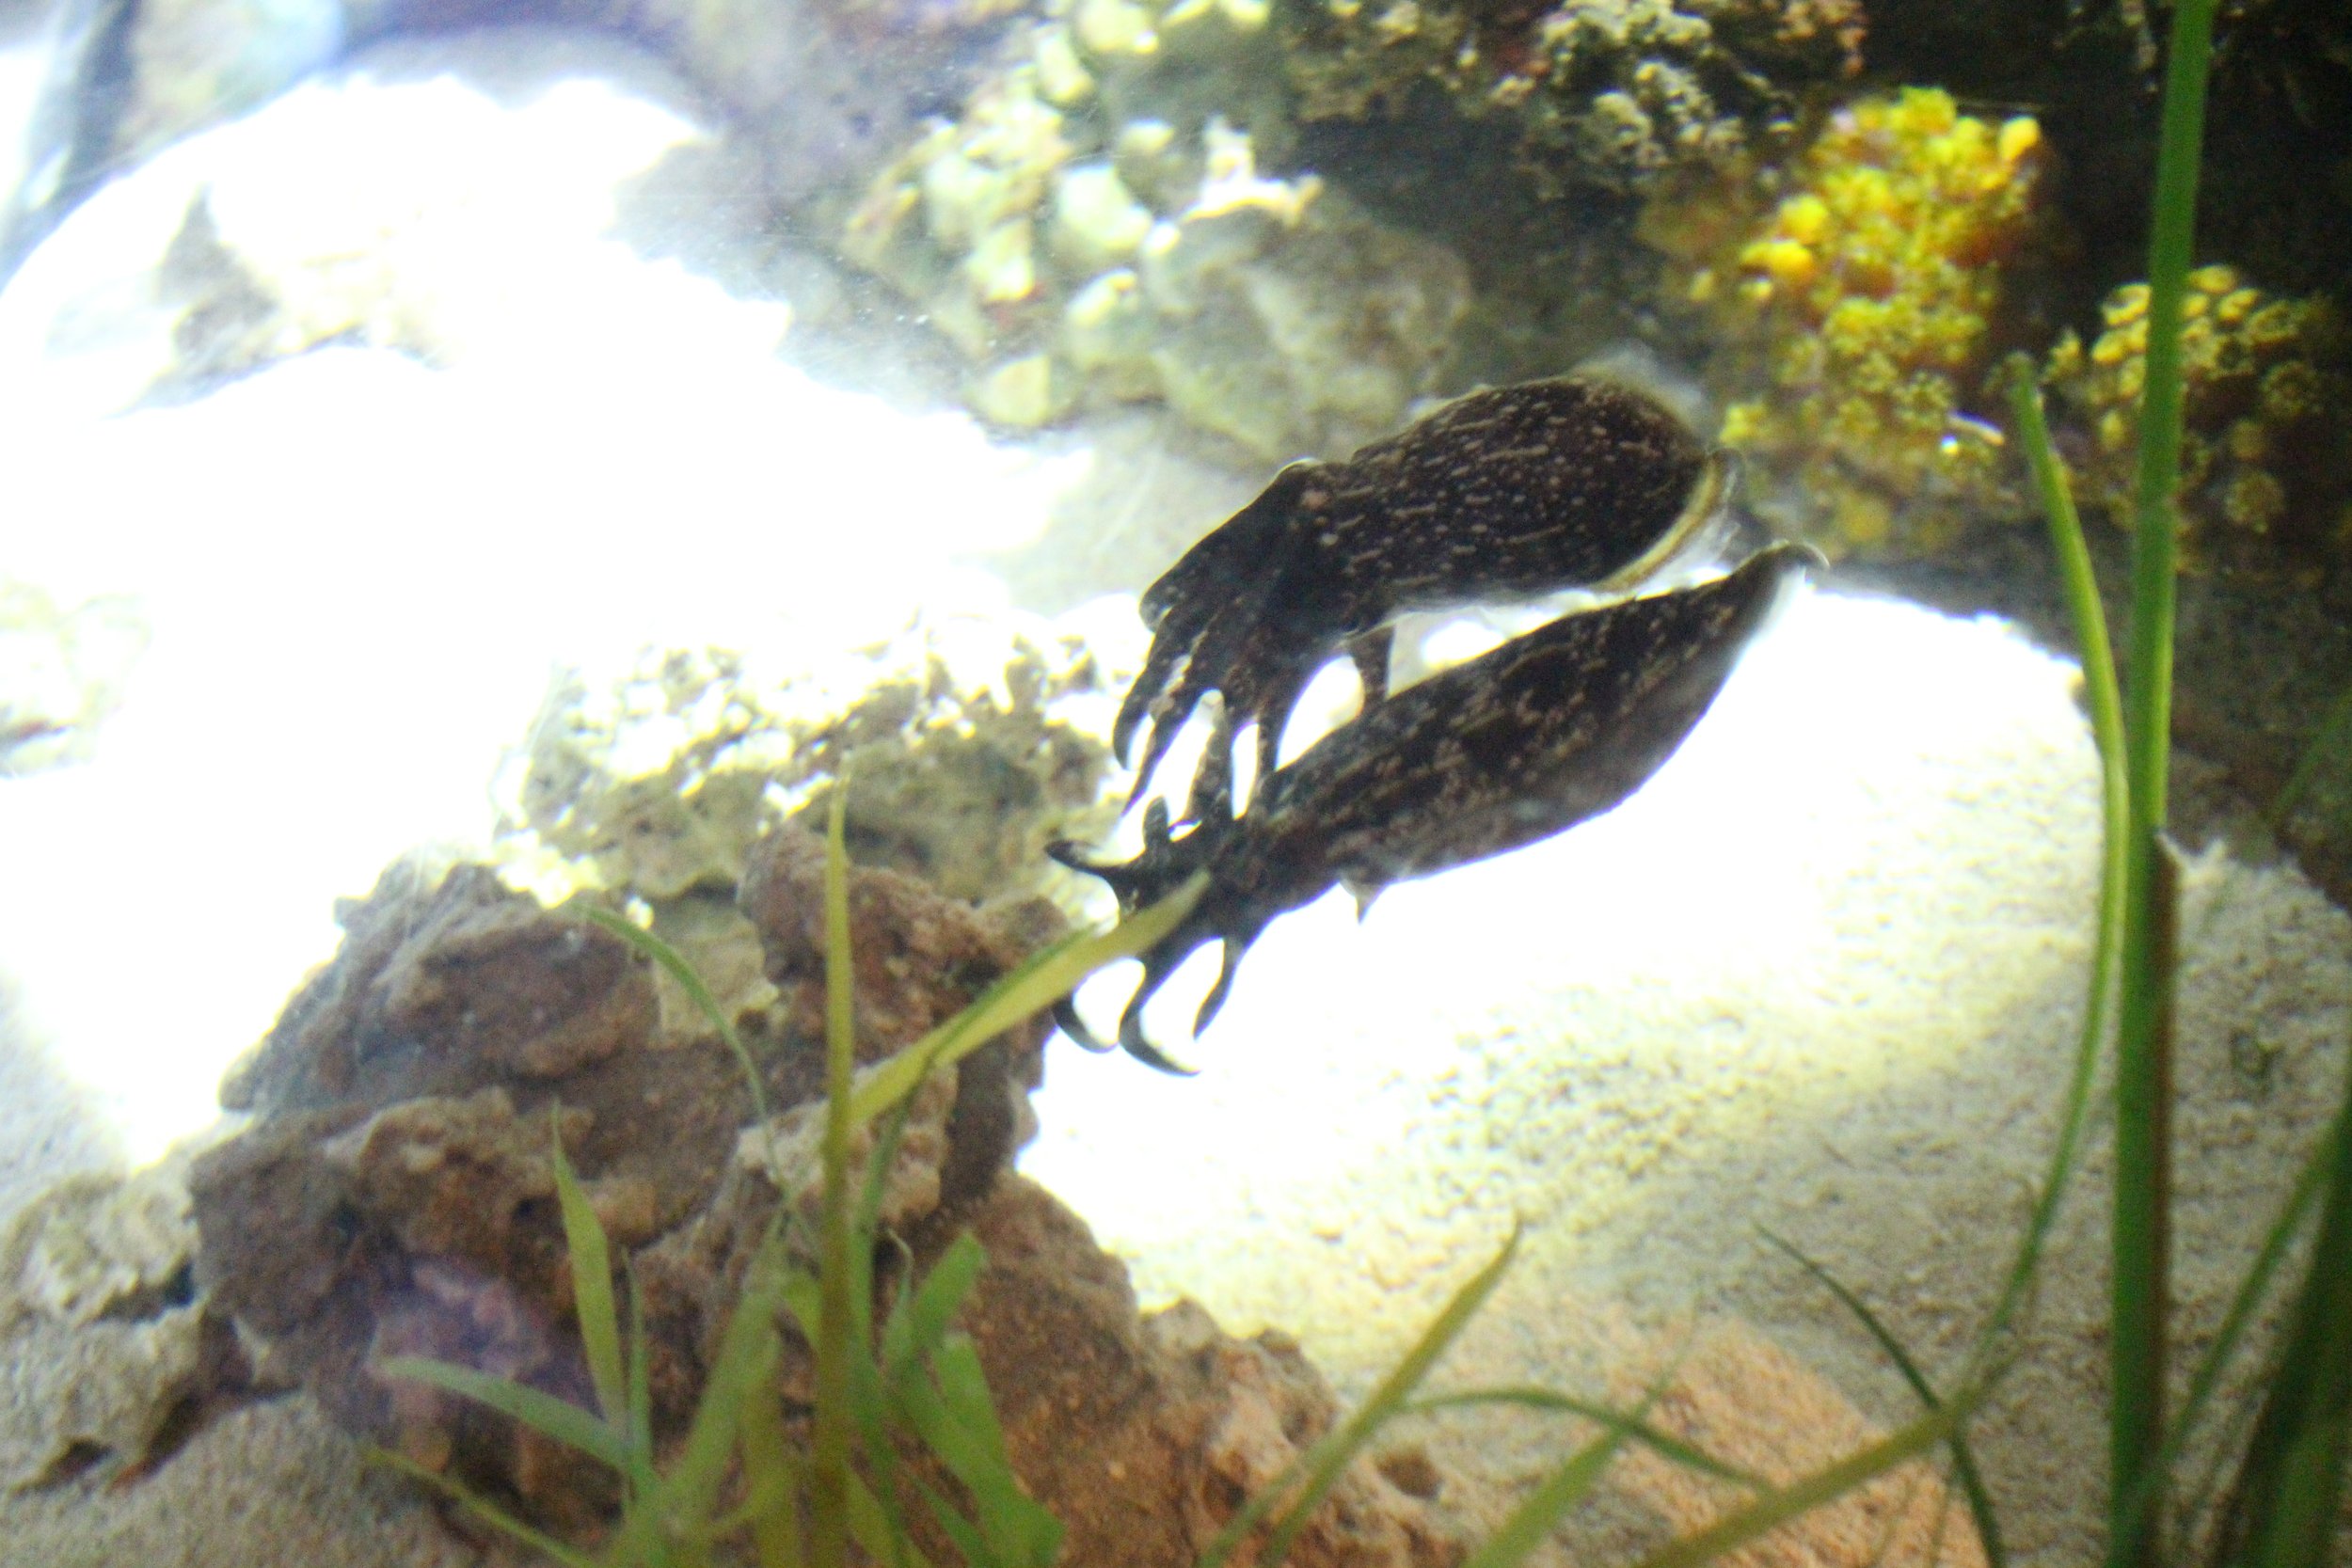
(1545, 732)
(1512, 492)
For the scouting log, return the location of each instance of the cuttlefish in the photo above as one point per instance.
(1545, 732)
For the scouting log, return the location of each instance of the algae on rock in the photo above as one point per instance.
(102, 1342)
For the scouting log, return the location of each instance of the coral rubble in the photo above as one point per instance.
(2266, 454)
(657, 782)
(393, 1194)
(1611, 94)
(1097, 222)
(62, 672)
(1861, 310)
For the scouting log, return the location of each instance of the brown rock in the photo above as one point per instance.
(397, 1198)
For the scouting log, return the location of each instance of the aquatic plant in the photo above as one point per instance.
(2265, 456)
(1860, 312)
(1609, 94)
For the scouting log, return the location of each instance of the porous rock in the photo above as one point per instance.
(395, 1195)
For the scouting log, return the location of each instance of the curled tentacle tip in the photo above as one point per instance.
(1066, 1018)
(1063, 851)
(1229, 960)
(1143, 781)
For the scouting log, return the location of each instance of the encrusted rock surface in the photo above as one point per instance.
(965, 762)
(1609, 94)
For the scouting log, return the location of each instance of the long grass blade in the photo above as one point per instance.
(2139, 1286)
(1038, 984)
(1021, 1532)
(878, 1531)
(535, 1408)
(640, 1372)
(2104, 699)
(1315, 1472)
(1534, 1518)
(837, 1274)
(961, 1534)
(869, 1402)
(2253, 1291)
(1664, 1444)
(919, 1325)
(1768, 1513)
(483, 1509)
(2287, 1501)
(1541, 1510)
(682, 1505)
(774, 1477)
(1963, 1462)
(673, 963)
(592, 1286)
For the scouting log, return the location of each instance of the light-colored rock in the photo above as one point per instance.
(462, 202)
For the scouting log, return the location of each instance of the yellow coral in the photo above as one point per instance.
(1863, 309)
(2266, 456)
